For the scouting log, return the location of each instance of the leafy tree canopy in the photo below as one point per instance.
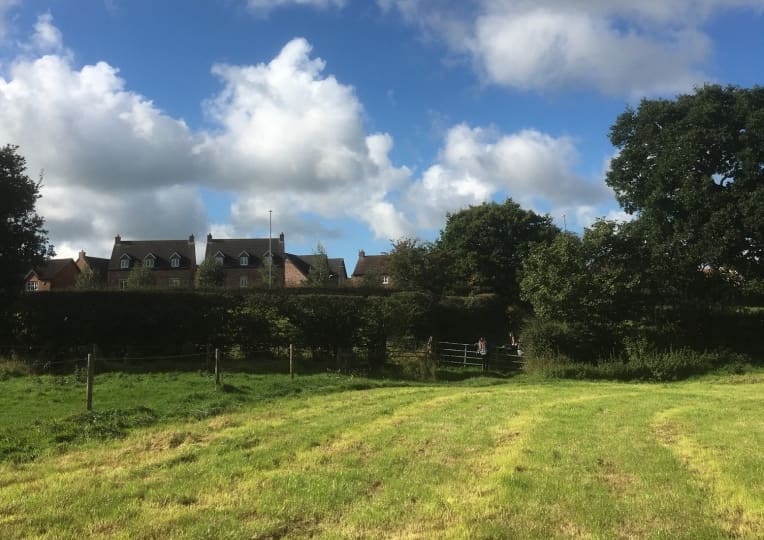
(23, 241)
(141, 277)
(209, 274)
(418, 266)
(692, 170)
(485, 246)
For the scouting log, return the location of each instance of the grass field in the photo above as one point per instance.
(168, 456)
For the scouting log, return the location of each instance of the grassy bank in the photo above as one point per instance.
(483, 458)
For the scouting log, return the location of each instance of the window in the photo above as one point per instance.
(124, 263)
(243, 281)
(175, 261)
(385, 280)
(174, 282)
(149, 261)
(33, 286)
(122, 284)
(244, 260)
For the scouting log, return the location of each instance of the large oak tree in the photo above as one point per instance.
(692, 171)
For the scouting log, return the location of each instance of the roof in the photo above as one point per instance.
(50, 268)
(371, 264)
(305, 262)
(163, 250)
(99, 265)
(232, 248)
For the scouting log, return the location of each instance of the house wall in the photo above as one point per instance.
(292, 276)
(258, 277)
(162, 277)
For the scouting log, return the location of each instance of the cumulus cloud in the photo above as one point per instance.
(478, 164)
(288, 129)
(616, 46)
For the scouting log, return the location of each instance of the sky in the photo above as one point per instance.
(347, 123)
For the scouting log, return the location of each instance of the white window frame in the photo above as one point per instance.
(124, 262)
(122, 284)
(150, 261)
(385, 280)
(243, 259)
(175, 261)
(243, 282)
(173, 283)
(33, 286)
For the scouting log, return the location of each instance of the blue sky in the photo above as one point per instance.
(355, 122)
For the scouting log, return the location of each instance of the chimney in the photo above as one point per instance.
(191, 239)
(117, 240)
(209, 237)
(81, 255)
(281, 239)
(361, 254)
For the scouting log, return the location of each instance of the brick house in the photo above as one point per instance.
(52, 275)
(173, 262)
(297, 268)
(371, 270)
(245, 260)
(98, 265)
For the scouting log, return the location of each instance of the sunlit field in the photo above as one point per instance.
(170, 456)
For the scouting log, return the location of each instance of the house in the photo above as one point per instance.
(99, 266)
(52, 275)
(245, 260)
(172, 262)
(371, 270)
(297, 268)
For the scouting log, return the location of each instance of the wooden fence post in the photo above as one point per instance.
(217, 367)
(291, 362)
(89, 384)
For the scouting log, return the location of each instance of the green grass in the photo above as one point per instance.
(336, 457)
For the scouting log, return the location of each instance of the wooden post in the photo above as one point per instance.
(89, 384)
(465, 354)
(217, 367)
(291, 362)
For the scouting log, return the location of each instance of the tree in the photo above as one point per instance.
(23, 240)
(320, 274)
(692, 171)
(209, 274)
(88, 279)
(485, 246)
(141, 277)
(418, 266)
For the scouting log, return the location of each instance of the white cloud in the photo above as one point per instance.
(47, 38)
(619, 47)
(5, 6)
(480, 164)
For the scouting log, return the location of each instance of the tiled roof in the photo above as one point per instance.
(371, 264)
(305, 262)
(50, 268)
(232, 248)
(163, 250)
(98, 265)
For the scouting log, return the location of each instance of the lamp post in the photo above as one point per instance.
(270, 251)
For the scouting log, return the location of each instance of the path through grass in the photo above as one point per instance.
(485, 459)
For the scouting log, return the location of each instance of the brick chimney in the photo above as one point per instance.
(117, 240)
(191, 239)
(209, 237)
(361, 254)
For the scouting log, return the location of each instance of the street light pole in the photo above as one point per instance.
(270, 250)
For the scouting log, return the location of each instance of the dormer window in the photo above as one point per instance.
(219, 258)
(175, 260)
(124, 262)
(149, 261)
(385, 280)
(243, 258)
